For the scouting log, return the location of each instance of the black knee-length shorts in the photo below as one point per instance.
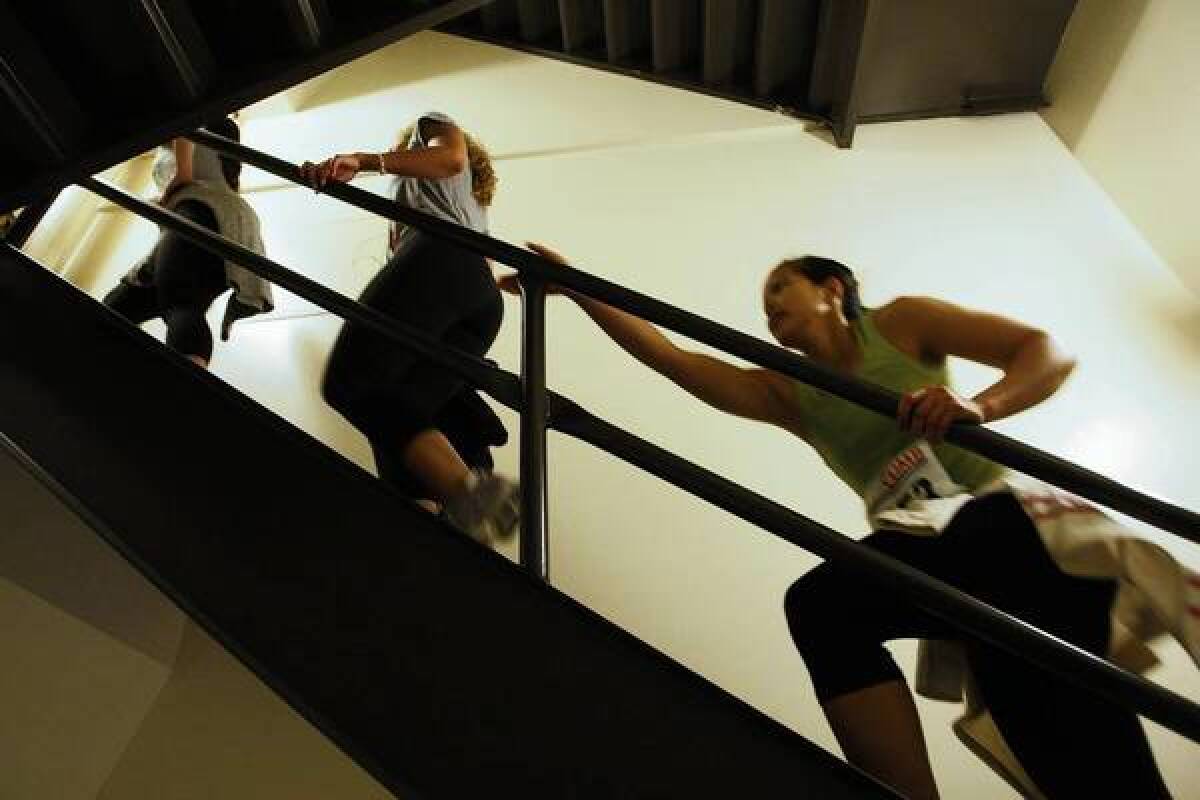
(386, 391)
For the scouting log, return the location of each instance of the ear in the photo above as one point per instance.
(835, 287)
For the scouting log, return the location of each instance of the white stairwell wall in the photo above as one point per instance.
(1125, 94)
(692, 199)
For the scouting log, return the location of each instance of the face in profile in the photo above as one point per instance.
(793, 304)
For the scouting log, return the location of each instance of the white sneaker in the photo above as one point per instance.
(489, 508)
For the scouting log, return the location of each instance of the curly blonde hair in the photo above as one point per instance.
(483, 175)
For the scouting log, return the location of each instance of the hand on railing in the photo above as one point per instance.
(928, 413)
(511, 282)
(340, 168)
(987, 443)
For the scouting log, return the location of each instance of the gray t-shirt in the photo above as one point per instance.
(236, 220)
(206, 166)
(447, 198)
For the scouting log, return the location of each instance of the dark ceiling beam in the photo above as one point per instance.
(42, 123)
(367, 35)
(833, 88)
(675, 26)
(582, 24)
(179, 52)
(308, 22)
(787, 33)
(538, 19)
(729, 27)
(499, 17)
(626, 29)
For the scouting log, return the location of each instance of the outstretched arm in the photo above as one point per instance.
(444, 156)
(757, 394)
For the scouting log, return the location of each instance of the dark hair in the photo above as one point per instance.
(224, 126)
(819, 269)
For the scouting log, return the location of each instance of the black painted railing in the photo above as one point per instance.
(541, 408)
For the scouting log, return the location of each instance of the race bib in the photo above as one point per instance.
(913, 490)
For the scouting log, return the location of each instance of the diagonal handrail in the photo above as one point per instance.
(952, 605)
(944, 601)
(503, 386)
(996, 446)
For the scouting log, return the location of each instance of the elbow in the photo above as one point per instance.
(1067, 365)
(1060, 363)
(1064, 362)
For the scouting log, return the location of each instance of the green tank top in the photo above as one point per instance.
(857, 443)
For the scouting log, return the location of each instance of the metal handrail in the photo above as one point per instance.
(988, 443)
(28, 220)
(935, 596)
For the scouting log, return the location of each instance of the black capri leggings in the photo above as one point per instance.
(1071, 742)
(386, 391)
(185, 279)
(471, 427)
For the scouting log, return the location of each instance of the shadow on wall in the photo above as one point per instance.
(397, 62)
(1171, 310)
(51, 553)
(1094, 45)
(1184, 321)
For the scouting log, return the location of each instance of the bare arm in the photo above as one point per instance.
(184, 169)
(444, 157)
(757, 394)
(184, 150)
(1034, 365)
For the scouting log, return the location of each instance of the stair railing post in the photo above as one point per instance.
(534, 547)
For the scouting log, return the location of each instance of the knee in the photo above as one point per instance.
(329, 386)
(124, 298)
(841, 653)
(811, 613)
(113, 298)
(340, 371)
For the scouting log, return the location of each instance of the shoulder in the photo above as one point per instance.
(909, 313)
(909, 307)
(904, 321)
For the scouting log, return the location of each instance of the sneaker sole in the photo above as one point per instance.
(506, 516)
